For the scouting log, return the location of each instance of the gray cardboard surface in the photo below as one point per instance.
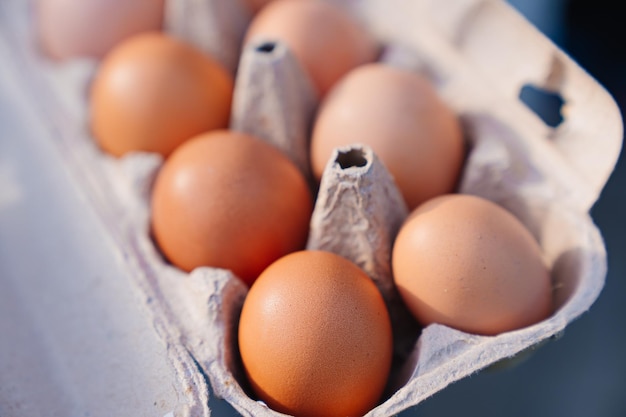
(74, 335)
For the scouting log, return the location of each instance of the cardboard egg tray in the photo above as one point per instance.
(479, 54)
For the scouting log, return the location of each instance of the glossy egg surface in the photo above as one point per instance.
(232, 201)
(153, 92)
(401, 117)
(466, 262)
(315, 337)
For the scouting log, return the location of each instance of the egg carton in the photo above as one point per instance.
(479, 54)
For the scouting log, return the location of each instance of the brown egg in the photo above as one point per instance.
(90, 28)
(315, 337)
(466, 262)
(326, 41)
(229, 200)
(400, 116)
(153, 92)
(256, 5)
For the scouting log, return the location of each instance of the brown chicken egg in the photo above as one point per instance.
(153, 92)
(315, 337)
(466, 262)
(400, 116)
(256, 5)
(324, 39)
(90, 28)
(229, 200)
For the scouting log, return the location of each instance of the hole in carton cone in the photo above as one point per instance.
(266, 47)
(351, 158)
(545, 104)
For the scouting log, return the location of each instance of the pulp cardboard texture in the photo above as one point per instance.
(479, 54)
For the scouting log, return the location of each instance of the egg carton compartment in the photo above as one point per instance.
(479, 54)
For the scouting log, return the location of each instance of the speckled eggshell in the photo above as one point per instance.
(465, 262)
(315, 337)
(229, 200)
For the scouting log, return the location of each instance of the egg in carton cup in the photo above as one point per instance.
(478, 54)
